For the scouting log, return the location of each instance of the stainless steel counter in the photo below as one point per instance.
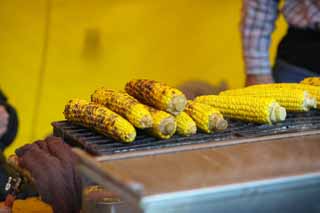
(269, 175)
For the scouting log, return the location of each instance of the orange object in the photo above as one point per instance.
(30, 205)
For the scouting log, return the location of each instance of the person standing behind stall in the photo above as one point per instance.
(298, 52)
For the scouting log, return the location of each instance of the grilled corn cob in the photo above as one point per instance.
(125, 105)
(292, 99)
(315, 81)
(206, 117)
(314, 91)
(164, 124)
(185, 125)
(251, 109)
(100, 118)
(158, 95)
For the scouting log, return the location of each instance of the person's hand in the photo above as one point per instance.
(193, 89)
(4, 120)
(52, 166)
(258, 79)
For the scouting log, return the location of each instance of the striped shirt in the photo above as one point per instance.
(258, 20)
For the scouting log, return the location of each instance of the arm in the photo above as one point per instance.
(257, 24)
(52, 166)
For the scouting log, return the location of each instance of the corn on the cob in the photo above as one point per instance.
(164, 124)
(125, 105)
(251, 109)
(314, 91)
(185, 125)
(100, 118)
(158, 95)
(314, 81)
(292, 99)
(206, 117)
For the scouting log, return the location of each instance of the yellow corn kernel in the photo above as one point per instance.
(164, 124)
(125, 105)
(206, 117)
(99, 118)
(314, 91)
(185, 125)
(314, 81)
(158, 95)
(251, 109)
(292, 99)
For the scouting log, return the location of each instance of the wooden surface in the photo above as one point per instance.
(222, 165)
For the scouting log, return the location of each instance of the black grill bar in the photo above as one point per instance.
(98, 144)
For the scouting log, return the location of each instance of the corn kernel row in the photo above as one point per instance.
(251, 109)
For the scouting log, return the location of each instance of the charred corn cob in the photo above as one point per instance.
(292, 99)
(100, 118)
(158, 95)
(206, 117)
(164, 124)
(314, 91)
(314, 81)
(125, 105)
(185, 125)
(251, 109)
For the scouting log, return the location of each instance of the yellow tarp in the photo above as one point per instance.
(52, 50)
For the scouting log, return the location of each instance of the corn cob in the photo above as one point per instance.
(314, 91)
(99, 118)
(185, 125)
(206, 117)
(314, 81)
(125, 105)
(278, 113)
(164, 124)
(251, 109)
(292, 99)
(158, 95)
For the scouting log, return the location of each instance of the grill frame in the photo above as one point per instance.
(100, 145)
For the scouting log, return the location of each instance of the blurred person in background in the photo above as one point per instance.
(51, 164)
(8, 131)
(8, 122)
(298, 52)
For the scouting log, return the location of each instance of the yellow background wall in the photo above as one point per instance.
(52, 50)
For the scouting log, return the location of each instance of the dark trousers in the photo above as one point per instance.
(285, 72)
(298, 55)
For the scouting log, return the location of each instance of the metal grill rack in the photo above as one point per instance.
(98, 144)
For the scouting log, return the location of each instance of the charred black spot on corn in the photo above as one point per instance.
(125, 105)
(99, 118)
(158, 95)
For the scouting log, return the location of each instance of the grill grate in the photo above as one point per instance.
(98, 144)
